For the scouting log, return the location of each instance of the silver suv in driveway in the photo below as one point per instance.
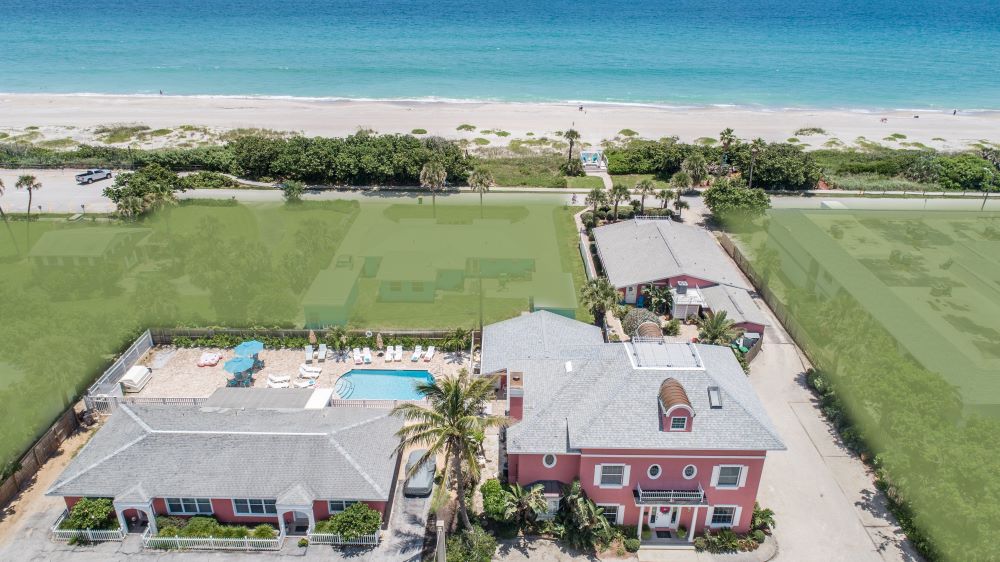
(90, 176)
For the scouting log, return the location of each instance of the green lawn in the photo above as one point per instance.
(900, 312)
(526, 171)
(584, 182)
(68, 306)
(631, 179)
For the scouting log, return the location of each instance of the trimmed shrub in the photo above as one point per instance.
(91, 513)
(356, 521)
(631, 544)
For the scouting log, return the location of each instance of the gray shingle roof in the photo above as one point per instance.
(193, 451)
(540, 335)
(609, 401)
(737, 303)
(642, 251)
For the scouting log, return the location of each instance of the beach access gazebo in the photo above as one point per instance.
(593, 159)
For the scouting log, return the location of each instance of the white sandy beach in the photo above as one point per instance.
(75, 116)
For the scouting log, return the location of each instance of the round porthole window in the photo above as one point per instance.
(549, 460)
(654, 471)
(690, 471)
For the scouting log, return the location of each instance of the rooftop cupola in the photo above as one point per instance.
(676, 413)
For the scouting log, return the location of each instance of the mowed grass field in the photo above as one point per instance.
(72, 295)
(900, 313)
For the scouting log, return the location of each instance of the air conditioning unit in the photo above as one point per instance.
(682, 287)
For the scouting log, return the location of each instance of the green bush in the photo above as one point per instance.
(473, 545)
(203, 526)
(419, 132)
(303, 543)
(91, 513)
(572, 167)
(495, 500)
(632, 544)
(759, 536)
(778, 167)
(662, 158)
(356, 521)
(673, 328)
(208, 180)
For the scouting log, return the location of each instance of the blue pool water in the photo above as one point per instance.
(382, 384)
(812, 53)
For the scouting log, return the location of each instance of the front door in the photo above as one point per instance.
(630, 294)
(664, 518)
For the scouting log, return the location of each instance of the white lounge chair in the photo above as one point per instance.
(307, 372)
(430, 353)
(272, 384)
(321, 354)
(367, 354)
(309, 354)
(305, 384)
(417, 353)
(399, 353)
(356, 353)
(278, 378)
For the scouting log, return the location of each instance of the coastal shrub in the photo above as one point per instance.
(627, 133)
(472, 545)
(208, 180)
(662, 157)
(729, 199)
(806, 131)
(495, 500)
(419, 132)
(466, 127)
(967, 172)
(572, 167)
(632, 544)
(356, 521)
(91, 513)
(778, 167)
(203, 527)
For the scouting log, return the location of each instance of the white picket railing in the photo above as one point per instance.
(211, 543)
(362, 403)
(89, 535)
(337, 540)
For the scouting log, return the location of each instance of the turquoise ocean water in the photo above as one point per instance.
(780, 53)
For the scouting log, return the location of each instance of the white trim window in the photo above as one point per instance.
(336, 506)
(254, 507)
(549, 460)
(678, 423)
(189, 506)
(729, 476)
(689, 472)
(612, 512)
(654, 471)
(611, 475)
(723, 516)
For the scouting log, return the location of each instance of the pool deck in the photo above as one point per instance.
(176, 373)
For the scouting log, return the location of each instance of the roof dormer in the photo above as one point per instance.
(676, 413)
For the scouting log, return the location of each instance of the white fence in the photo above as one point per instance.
(211, 543)
(89, 535)
(107, 385)
(108, 404)
(337, 540)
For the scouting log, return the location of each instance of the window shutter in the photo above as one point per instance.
(708, 516)
(628, 469)
(597, 475)
(743, 476)
(620, 515)
(715, 478)
(736, 516)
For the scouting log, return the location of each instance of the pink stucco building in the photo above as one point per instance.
(246, 456)
(638, 253)
(670, 435)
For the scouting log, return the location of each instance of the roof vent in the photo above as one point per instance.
(682, 287)
(569, 366)
(714, 398)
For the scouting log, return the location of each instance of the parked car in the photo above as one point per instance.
(90, 176)
(422, 481)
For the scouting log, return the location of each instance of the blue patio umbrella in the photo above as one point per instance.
(238, 365)
(249, 348)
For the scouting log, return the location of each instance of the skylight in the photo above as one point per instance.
(714, 397)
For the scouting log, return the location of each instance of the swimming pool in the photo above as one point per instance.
(382, 384)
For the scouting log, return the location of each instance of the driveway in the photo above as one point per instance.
(824, 498)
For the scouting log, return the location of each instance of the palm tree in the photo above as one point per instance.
(756, 147)
(432, 177)
(727, 138)
(680, 205)
(664, 195)
(599, 295)
(572, 136)
(717, 329)
(696, 168)
(130, 207)
(31, 184)
(582, 519)
(644, 187)
(597, 196)
(618, 194)
(680, 181)
(481, 181)
(526, 504)
(450, 424)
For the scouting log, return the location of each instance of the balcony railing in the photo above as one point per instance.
(670, 497)
(89, 535)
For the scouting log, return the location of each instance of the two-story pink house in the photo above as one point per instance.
(246, 456)
(668, 434)
(639, 253)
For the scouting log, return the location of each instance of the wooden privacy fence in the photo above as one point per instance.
(40, 452)
(165, 336)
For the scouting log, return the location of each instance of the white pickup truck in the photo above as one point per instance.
(90, 176)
